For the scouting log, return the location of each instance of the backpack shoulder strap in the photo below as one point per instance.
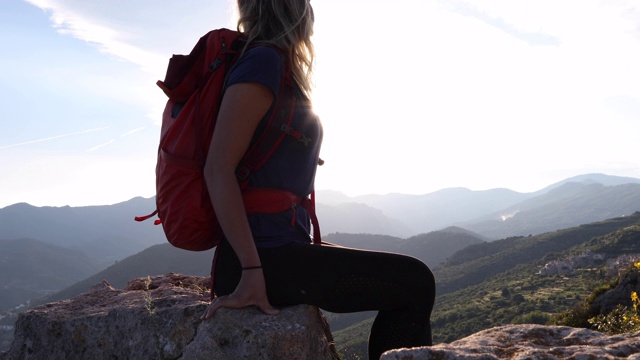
(271, 137)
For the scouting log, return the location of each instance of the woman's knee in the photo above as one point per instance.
(420, 274)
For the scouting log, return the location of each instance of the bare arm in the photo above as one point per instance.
(242, 108)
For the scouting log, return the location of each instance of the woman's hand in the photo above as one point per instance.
(250, 291)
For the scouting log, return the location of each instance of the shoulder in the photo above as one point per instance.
(264, 54)
(262, 64)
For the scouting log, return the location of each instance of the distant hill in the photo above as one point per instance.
(356, 218)
(476, 263)
(498, 213)
(567, 205)
(429, 212)
(523, 294)
(432, 248)
(156, 260)
(411, 223)
(161, 259)
(501, 282)
(594, 178)
(30, 269)
(108, 233)
(105, 233)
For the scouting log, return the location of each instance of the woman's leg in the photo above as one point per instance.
(341, 279)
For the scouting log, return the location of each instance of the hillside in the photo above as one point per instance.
(567, 205)
(357, 218)
(108, 233)
(521, 280)
(495, 213)
(105, 233)
(156, 260)
(429, 212)
(30, 269)
(460, 256)
(476, 263)
(161, 259)
(524, 295)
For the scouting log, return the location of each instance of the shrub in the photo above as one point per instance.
(535, 317)
(621, 319)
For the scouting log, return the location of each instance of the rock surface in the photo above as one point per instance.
(159, 318)
(534, 342)
(619, 294)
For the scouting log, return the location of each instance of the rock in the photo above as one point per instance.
(159, 318)
(619, 294)
(528, 342)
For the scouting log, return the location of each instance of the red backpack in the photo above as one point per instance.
(194, 84)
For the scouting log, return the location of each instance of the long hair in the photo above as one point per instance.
(286, 25)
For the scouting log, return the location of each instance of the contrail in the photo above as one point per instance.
(53, 137)
(101, 145)
(133, 131)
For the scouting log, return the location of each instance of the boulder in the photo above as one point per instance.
(619, 294)
(533, 342)
(159, 318)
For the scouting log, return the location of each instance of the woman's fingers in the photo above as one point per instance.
(232, 302)
(268, 309)
(211, 309)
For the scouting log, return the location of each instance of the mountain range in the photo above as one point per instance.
(49, 253)
(432, 226)
(505, 282)
(495, 213)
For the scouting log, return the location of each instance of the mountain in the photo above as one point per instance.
(434, 211)
(534, 279)
(476, 263)
(164, 258)
(108, 233)
(105, 233)
(594, 178)
(356, 218)
(155, 260)
(432, 248)
(30, 269)
(562, 270)
(499, 213)
(479, 285)
(566, 205)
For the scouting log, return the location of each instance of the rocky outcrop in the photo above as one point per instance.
(619, 294)
(159, 318)
(533, 342)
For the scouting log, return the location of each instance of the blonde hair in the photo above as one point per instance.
(286, 25)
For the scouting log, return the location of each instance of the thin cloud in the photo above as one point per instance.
(54, 137)
(131, 132)
(101, 145)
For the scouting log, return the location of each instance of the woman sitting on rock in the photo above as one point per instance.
(269, 260)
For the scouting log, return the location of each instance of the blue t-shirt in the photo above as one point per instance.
(293, 165)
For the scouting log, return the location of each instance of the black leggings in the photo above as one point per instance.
(340, 280)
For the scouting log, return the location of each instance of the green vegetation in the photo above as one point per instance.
(622, 319)
(501, 283)
(477, 263)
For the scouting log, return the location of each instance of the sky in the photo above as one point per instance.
(415, 96)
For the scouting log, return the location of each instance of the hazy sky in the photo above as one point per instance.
(415, 95)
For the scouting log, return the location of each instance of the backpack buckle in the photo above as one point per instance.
(242, 172)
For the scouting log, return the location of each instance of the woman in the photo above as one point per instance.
(268, 260)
